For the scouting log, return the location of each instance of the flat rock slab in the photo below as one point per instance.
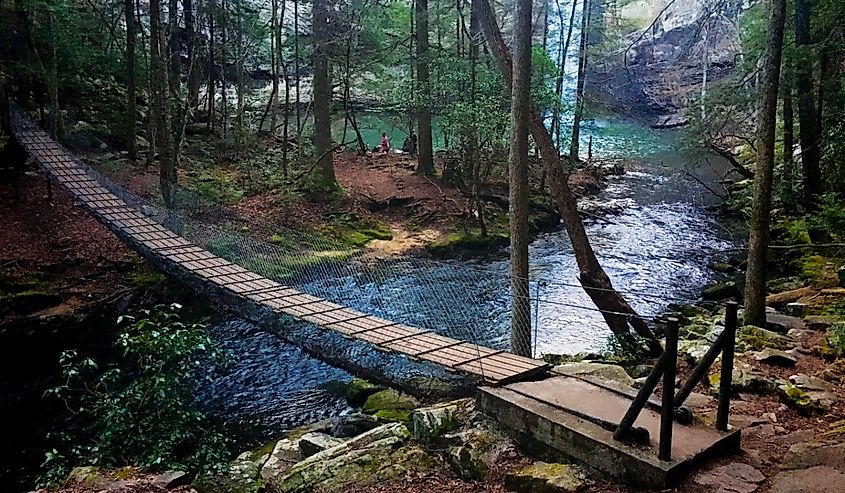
(819, 479)
(808, 383)
(782, 323)
(732, 478)
(804, 455)
(776, 357)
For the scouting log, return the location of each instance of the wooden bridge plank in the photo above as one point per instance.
(274, 295)
(342, 314)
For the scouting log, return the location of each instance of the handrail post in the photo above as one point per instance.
(667, 410)
(640, 400)
(726, 378)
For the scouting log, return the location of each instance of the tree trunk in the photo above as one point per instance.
(425, 151)
(616, 311)
(582, 72)
(563, 53)
(224, 104)
(788, 138)
(296, 73)
(809, 134)
(518, 178)
(195, 71)
(173, 44)
(474, 157)
(161, 101)
(211, 65)
(239, 74)
(131, 104)
(758, 242)
(322, 99)
(284, 70)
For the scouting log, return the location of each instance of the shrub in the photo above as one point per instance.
(140, 408)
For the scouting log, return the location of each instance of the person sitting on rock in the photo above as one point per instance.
(408, 145)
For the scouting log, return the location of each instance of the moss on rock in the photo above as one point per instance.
(359, 390)
(390, 400)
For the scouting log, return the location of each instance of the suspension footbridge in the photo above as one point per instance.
(154, 241)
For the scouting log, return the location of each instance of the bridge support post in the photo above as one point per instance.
(726, 377)
(667, 410)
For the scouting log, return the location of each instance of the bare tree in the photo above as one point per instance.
(758, 242)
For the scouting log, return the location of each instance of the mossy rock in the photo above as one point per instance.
(752, 338)
(471, 459)
(390, 400)
(377, 456)
(468, 244)
(336, 388)
(721, 291)
(801, 401)
(835, 341)
(429, 423)
(358, 390)
(393, 415)
(244, 476)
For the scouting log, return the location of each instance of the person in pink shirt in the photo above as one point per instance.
(385, 143)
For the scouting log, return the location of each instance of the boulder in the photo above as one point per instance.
(689, 311)
(171, 479)
(359, 390)
(379, 455)
(243, 476)
(390, 405)
(608, 372)
(542, 477)
(810, 384)
(353, 424)
(800, 400)
(693, 350)
(782, 323)
(721, 291)
(89, 477)
(734, 478)
(744, 379)
(285, 454)
(471, 458)
(723, 267)
(776, 357)
(752, 338)
(315, 442)
(431, 422)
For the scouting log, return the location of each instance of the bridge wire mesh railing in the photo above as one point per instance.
(468, 301)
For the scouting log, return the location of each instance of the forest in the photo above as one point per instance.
(560, 180)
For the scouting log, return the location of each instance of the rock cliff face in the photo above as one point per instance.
(660, 65)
